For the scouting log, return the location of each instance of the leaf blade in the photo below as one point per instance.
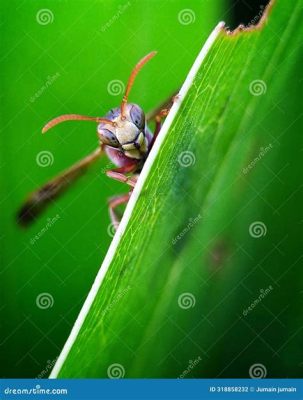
(152, 341)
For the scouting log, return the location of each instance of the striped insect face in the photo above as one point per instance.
(124, 138)
(127, 133)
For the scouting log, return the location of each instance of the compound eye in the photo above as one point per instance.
(113, 113)
(137, 116)
(108, 137)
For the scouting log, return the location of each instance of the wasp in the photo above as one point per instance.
(124, 138)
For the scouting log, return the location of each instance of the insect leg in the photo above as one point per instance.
(158, 118)
(167, 104)
(40, 198)
(158, 114)
(120, 174)
(113, 203)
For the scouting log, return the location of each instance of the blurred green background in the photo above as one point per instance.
(59, 57)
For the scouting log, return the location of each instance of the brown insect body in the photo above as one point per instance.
(124, 138)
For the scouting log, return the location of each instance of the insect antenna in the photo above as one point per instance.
(74, 117)
(132, 78)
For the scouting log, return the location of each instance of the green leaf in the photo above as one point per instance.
(202, 278)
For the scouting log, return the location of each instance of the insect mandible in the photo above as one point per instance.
(124, 137)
